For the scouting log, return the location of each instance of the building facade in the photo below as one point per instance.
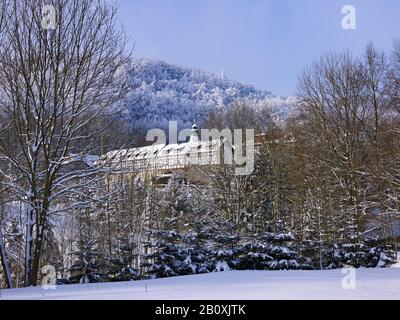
(156, 163)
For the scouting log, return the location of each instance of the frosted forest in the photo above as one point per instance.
(324, 193)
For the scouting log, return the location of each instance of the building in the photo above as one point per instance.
(157, 163)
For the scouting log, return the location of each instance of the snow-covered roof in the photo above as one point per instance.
(167, 154)
(88, 159)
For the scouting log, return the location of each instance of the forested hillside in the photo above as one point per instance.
(160, 92)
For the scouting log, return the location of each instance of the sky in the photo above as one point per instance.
(262, 42)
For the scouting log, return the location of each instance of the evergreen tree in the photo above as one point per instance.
(351, 249)
(86, 268)
(378, 253)
(196, 251)
(167, 254)
(370, 253)
(271, 249)
(120, 267)
(223, 251)
(357, 251)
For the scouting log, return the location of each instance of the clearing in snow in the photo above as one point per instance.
(259, 285)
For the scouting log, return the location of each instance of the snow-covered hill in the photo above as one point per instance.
(160, 92)
(369, 284)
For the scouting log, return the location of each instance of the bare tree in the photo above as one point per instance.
(376, 71)
(3, 256)
(331, 97)
(56, 83)
(395, 77)
(4, 12)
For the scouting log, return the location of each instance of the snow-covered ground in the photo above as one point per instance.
(370, 284)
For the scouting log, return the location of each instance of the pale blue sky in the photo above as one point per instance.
(263, 42)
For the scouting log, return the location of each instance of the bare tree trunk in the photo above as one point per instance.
(4, 262)
(28, 245)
